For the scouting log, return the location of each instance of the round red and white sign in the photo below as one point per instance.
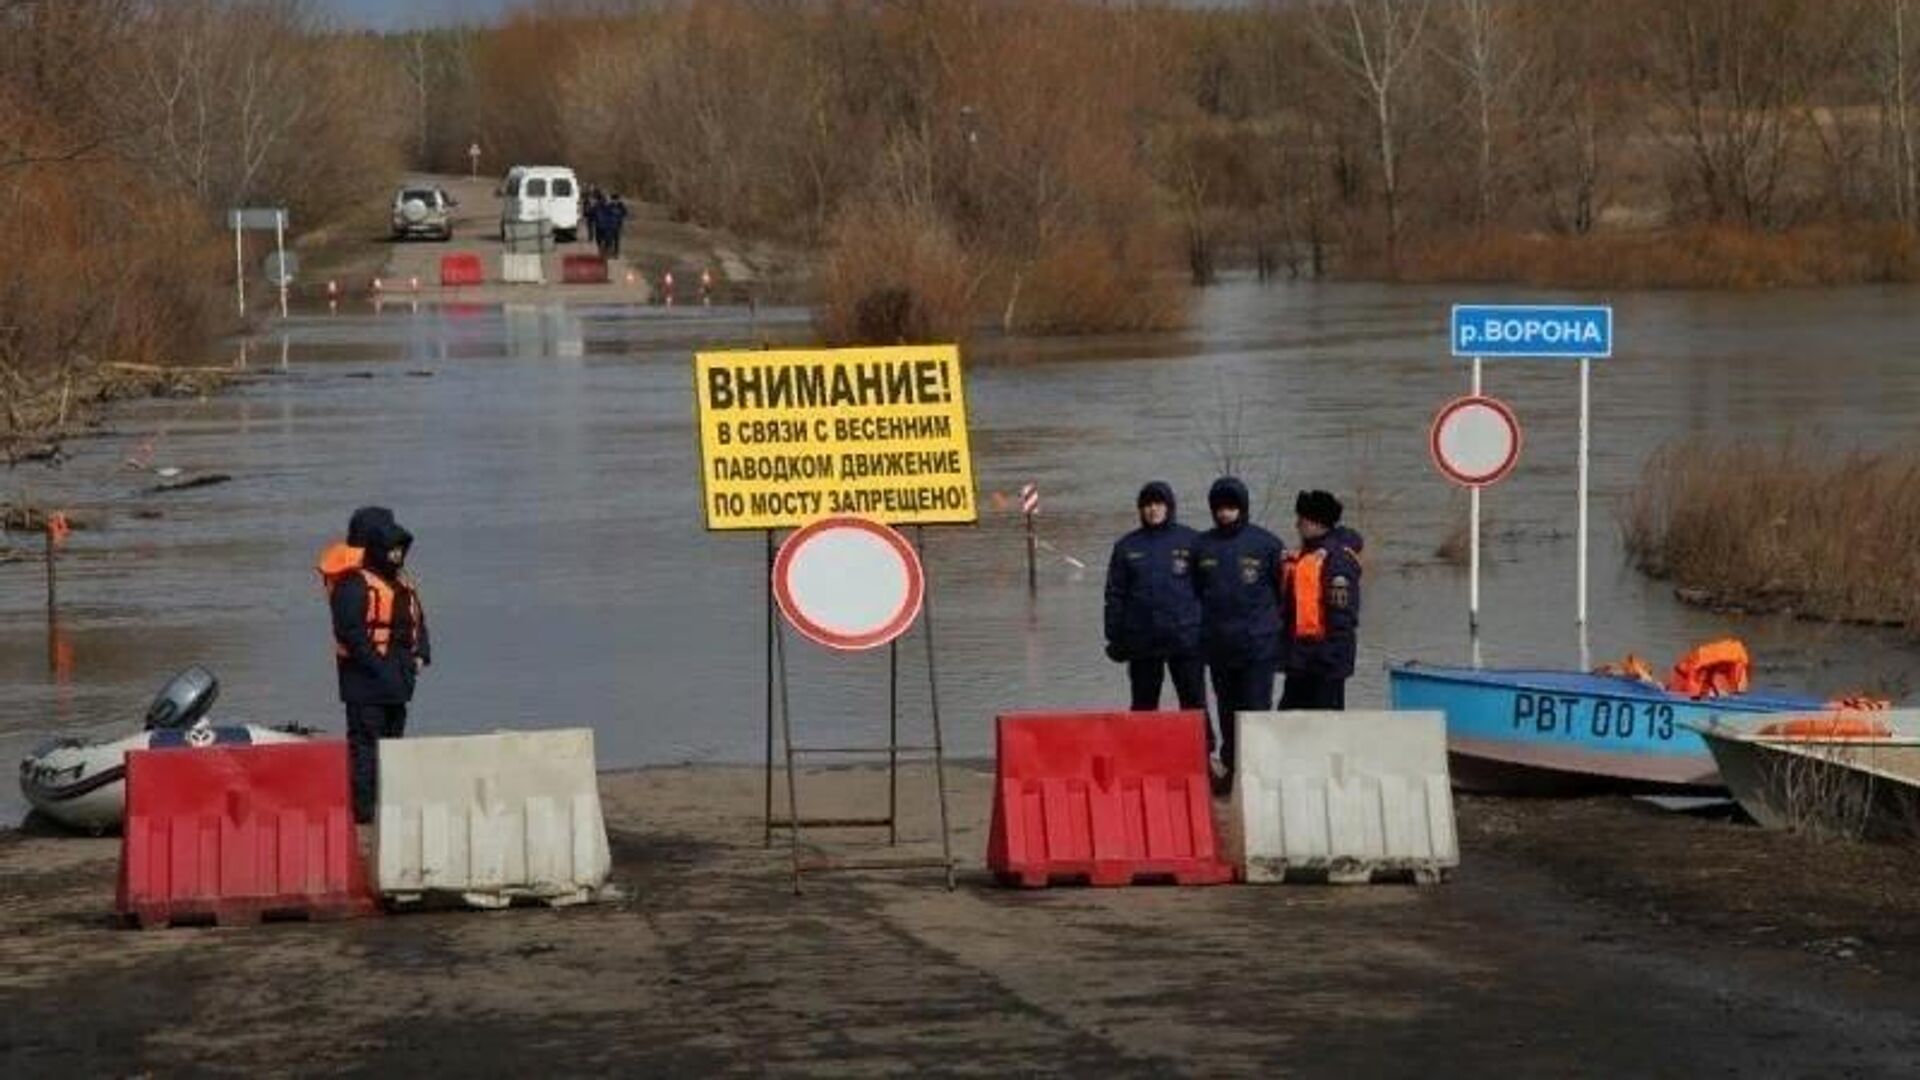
(1475, 441)
(848, 583)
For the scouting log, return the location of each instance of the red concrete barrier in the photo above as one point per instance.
(461, 268)
(237, 833)
(583, 270)
(1108, 798)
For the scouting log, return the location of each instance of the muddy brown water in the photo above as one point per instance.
(545, 456)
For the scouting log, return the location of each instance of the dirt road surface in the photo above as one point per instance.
(654, 245)
(1595, 938)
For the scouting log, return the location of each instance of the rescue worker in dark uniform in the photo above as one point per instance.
(1237, 567)
(1321, 606)
(379, 636)
(1152, 613)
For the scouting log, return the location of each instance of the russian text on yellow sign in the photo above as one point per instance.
(787, 437)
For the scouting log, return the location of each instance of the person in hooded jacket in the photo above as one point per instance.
(1320, 606)
(380, 639)
(1236, 573)
(1152, 612)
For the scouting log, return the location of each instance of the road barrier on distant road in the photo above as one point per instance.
(583, 270)
(461, 268)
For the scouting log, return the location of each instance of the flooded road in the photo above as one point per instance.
(546, 459)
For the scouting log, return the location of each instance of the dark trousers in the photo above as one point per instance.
(1304, 691)
(366, 726)
(1189, 683)
(1237, 690)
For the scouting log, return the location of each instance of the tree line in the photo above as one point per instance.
(128, 128)
(1045, 165)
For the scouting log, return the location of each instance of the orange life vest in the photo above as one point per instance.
(1837, 726)
(1713, 669)
(1631, 667)
(1303, 575)
(340, 560)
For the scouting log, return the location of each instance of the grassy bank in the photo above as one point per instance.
(1782, 527)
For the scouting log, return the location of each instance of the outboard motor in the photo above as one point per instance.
(184, 700)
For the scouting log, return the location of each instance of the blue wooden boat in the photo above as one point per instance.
(1519, 732)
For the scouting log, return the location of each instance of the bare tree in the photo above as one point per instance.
(1377, 43)
(1729, 71)
(1893, 69)
(1485, 50)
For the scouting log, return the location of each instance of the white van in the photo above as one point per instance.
(549, 193)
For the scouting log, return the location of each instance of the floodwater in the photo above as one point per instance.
(546, 458)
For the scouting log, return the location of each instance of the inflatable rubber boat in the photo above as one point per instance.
(81, 783)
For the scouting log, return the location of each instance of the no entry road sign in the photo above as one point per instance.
(848, 583)
(1475, 441)
(1532, 330)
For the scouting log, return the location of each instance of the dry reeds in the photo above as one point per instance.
(1719, 257)
(1782, 527)
(893, 275)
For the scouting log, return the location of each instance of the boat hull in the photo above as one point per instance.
(81, 783)
(1863, 789)
(1566, 733)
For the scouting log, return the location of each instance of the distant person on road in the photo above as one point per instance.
(1237, 567)
(1321, 606)
(1152, 613)
(590, 200)
(379, 639)
(613, 221)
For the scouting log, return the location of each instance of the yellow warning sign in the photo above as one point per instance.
(788, 437)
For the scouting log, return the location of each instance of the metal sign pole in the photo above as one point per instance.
(767, 818)
(280, 255)
(239, 268)
(1473, 546)
(786, 739)
(933, 699)
(1586, 367)
(893, 742)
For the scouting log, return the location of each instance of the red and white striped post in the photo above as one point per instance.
(1029, 507)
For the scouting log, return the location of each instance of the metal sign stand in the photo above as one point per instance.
(780, 712)
(1566, 332)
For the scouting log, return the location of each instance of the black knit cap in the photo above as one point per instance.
(1318, 506)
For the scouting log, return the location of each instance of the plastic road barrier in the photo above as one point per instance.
(522, 269)
(1109, 798)
(237, 833)
(461, 268)
(583, 270)
(492, 817)
(1350, 794)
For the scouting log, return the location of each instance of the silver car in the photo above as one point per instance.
(423, 211)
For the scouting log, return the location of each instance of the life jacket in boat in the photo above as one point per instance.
(1712, 670)
(1629, 667)
(1838, 726)
(337, 563)
(1860, 703)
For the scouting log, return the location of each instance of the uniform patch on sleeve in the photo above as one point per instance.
(1340, 593)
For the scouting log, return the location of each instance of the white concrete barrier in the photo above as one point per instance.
(522, 269)
(1352, 794)
(492, 817)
